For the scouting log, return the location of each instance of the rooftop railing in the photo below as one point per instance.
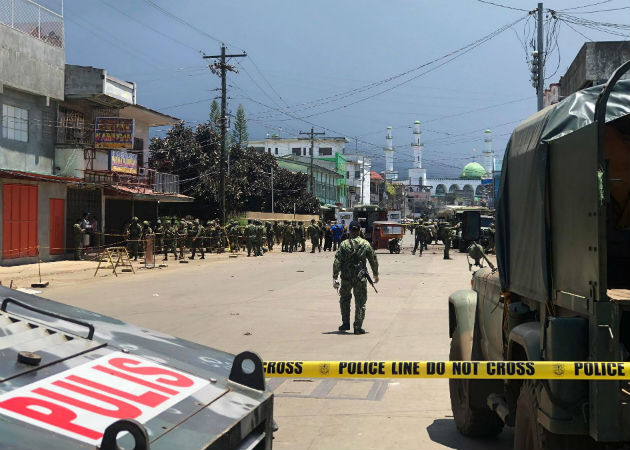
(34, 19)
(145, 181)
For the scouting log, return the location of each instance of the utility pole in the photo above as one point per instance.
(363, 179)
(539, 56)
(221, 67)
(272, 190)
(312, 133)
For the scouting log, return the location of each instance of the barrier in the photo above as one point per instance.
(500, 370)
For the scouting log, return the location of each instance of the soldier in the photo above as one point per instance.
(77, 239)
(146, 232)
(277, 231)
(250, 236)
(420, 235)
(134, 234)
(197, 240)
(170, 240)
(182, 236)
(270, 235)
(159, 237)
(314, 233)
(260, 237)
(287, 237)
(233, 235)
(350, 261)
(322, 230)
(300, 237)
(447, 236)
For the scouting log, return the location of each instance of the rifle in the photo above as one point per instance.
(365, 275)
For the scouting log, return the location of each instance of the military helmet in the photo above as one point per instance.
(134, 219)
(146, 222)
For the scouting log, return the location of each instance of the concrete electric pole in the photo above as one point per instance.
(538, 60)
(312, 134)
(221, 67)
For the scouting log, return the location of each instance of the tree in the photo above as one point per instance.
(215, 114)
(239, 133)
(194, 155)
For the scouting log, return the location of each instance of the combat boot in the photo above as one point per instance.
(344, 327)
(359, 331)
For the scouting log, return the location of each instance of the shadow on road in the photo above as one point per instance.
(345, 333)
(443, 431)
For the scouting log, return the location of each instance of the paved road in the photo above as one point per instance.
(283, 307)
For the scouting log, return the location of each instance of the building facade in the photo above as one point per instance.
(325, 176)
(67, 144)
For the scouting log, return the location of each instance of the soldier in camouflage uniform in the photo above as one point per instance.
(277, 231)
(182, 236)
(260, 238)
(314, 233)
(146, 232)
(250, 236)
(301, 237)
(170, 240)
(134, 233)
(287, 237)
(269, 235)
(77, 234)
(233, 236)
(159, 237)
(447, 235)
(197, 240)
(350, 259)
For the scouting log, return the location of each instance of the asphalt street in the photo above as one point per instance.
(283, 307)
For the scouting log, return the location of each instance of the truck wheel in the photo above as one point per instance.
(476, 423)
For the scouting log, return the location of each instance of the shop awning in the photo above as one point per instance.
(19, 175)
(146, 194)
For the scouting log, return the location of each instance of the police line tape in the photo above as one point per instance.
(500, 370)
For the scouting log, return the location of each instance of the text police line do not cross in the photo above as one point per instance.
(542, 370)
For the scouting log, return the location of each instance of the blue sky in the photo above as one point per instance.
(320, 51)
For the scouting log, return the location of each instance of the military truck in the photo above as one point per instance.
(562, 290)
(74, 379)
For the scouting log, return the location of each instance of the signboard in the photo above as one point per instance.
(113, 132)
(83, 401)
(123, 162)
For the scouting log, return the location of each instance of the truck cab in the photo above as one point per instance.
(562, 290)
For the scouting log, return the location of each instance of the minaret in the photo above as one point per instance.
(417, 175)
(417, 146)
(389, 155)
(488, 152)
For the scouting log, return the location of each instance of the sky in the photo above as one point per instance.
(337, 65)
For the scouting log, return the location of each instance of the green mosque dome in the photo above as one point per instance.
(473, 171)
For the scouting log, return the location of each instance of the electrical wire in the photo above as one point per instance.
(502, 6)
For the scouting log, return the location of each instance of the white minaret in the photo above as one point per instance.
(417, 175)
(488, 152)
(389, 155)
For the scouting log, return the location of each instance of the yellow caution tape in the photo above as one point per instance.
(542, 370)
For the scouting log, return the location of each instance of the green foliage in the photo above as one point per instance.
(239, 133)
(215, 114)
(194, 155)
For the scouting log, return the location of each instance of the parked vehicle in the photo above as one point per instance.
(562, 290)
(367, 215)
(387, 235)
(74, 379)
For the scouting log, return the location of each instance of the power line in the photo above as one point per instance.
(587, 6)
(502, 6)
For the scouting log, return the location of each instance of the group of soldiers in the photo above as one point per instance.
(180, 236)
(426, 232)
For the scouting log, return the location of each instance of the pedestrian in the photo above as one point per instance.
(85, 226)
(328, 237)
(269, 235)
(77, 239)
(313, 232)
(337, 231)
(350, 263)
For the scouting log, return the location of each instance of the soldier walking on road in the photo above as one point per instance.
(287, 237)
(250, 236)
(447, 236)
(260, 237)
(313, 232)
(350, 262)
(170, 240)
(197, 240)
(269, 234)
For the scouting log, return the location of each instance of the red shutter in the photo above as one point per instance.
(57, 213)
(19, 220)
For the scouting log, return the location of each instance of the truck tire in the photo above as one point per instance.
(530, 435)
(475, 423)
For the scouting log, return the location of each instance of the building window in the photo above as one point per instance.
(325, 151)
(296, 151)
(269, 149)
(357, 174)
(276, 150)
(14, 123)
(347, 174)
(304, 152)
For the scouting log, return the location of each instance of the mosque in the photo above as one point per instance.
(468, 187)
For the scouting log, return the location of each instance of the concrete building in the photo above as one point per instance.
(325, 176)
(358, 168)
(325, 147)
(61, 146)
(32, 63)
(593, 65)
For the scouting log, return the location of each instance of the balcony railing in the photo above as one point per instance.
(146, 181)
(32, 18)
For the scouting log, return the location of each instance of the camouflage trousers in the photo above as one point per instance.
(360, 299)
(315, 245)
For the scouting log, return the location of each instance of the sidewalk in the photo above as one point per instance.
(59, 273)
